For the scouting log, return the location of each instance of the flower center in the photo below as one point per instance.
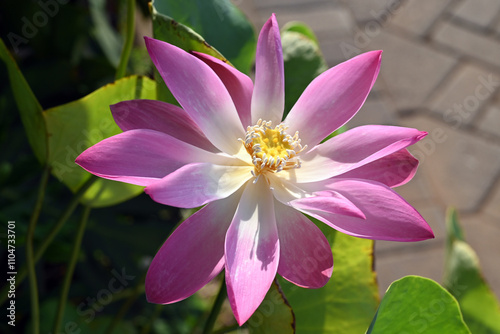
(272, 149)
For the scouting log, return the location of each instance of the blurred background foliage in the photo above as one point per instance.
(69, 56)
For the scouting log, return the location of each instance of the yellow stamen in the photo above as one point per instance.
(272, 149)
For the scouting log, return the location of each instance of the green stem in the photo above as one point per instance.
(126, 306)
(71, 268)
(48, 240)
(35, 309)
(219, 300)
(129, 40)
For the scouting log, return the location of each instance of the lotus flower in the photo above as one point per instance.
(229, 151)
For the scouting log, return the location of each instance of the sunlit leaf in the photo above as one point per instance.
(348, 301)
(75, 126)
(415, 304)
(303, 60)
(167, 29)
(274, 315)
(28, 105)
(463, 278)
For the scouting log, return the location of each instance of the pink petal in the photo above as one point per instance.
(142, 157)
(268, 99)
(162, 117)
(192, 255)
(333, 98)
(200, 93)
(388, 215)
(197, 184)
(302, 198)
(284, 190)
(251, 251)
(239, 85)
(392, 170)
(305, 255)
(351, 150)
(328, 201)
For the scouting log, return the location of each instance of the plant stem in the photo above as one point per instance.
(71, 268)
(129, 40)
(48, 239)
(35, 310)
(219, 300)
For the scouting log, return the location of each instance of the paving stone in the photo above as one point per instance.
(249, 9)
(463, 94)
(460, 167)
(322, 19)
(416, 16)
(427, 262)
(482, 233)
(468, 43)
(492, 205)
(479, 12)
(375, 111)
(410, 70)
(277, 3)
(418, 191)
(331, 46)
(490, 123)
(374, 10)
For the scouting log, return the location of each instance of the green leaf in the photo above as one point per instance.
(346, 304)
(415, 304)
(301, 28)
(463, 278)
(220, 22)
(28, 105)
(303, 60)
(274, 315)
(167, 29)
(75, 126)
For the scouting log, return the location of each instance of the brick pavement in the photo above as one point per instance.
(440, 73)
